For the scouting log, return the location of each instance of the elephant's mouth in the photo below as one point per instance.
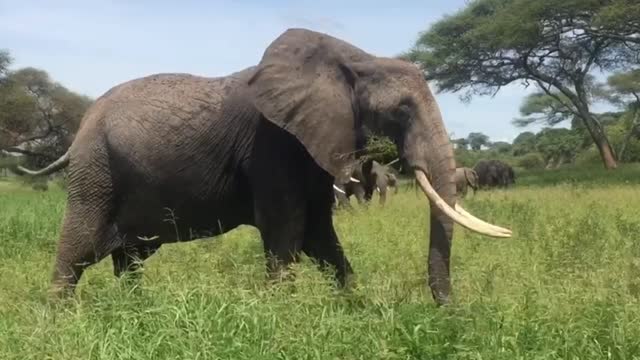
(459, 215)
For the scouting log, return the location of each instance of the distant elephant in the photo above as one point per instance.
(378, 177)
(494, 173)
(369, 176)
(344, 191)
(176, 157)
(466, 177)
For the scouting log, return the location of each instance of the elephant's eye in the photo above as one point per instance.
(402, 113)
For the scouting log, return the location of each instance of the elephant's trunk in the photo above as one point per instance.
(430, 154)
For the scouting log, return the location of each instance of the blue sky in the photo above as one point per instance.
(90, 46)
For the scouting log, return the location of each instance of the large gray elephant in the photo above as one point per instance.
(177, 157)
(465, 178)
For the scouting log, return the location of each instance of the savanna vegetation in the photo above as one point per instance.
(565, 286)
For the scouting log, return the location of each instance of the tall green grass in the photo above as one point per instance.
(566, 286)
(584, 175)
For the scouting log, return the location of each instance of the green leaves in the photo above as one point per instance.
(37, 115)
(477, 139)
(492, 43)
(381, 148)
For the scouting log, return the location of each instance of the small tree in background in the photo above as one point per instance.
(557, 145)
(5, 61)
(524, 143)
(461, 143)
(38, 117)
(624, 91)
(477, 140)
(500, 147)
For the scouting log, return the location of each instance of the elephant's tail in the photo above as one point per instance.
(57, 165)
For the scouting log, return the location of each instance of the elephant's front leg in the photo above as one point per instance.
(360, 194)
(320, 238)
(279, 210)
(280, 220)
(382, 192)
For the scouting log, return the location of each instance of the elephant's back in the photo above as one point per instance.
(162, 98)
(161, 111)
(159, 124)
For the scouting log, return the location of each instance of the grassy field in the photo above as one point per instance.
(566, 286)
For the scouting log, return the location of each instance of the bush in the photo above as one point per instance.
(531, 161)
(61, 180)
(40, 186)
(590, 156)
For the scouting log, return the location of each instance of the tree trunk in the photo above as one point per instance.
(600, 139)
(606, 152)
(550, 163)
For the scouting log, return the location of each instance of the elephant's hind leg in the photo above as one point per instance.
(87, 237)
(88, 232)
(129, 258)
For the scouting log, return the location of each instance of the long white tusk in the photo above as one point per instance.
(454, 215)
(354, 180)
(338, 189)
(464, 212)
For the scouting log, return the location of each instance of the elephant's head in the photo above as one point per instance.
(324, 91)
(472, 178)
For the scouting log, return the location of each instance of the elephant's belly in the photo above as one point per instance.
(170, 219)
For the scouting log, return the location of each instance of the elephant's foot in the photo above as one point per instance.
(62, 287)
(60, 291)
(349, 282)
(279, 271)
(440, 291)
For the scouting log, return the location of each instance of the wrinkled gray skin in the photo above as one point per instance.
(176, 157)
(372, 176)
(494, 173)
(466, 177)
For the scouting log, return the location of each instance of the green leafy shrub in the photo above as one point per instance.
(531, 161)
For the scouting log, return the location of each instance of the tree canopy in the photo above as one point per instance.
(477, 140)
(624, 91)
(556, 45)
(38, 117)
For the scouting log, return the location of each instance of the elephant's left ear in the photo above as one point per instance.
(468, 174)
(304, 85)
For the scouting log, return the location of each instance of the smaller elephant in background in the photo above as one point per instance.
(465, 178)
(343, 192)
(367, 177)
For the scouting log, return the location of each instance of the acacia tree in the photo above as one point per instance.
(38, 117)
(461, 143)
(5, 61)
(555, 45)
(477, 140)
(524, 143)
(557, 145)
